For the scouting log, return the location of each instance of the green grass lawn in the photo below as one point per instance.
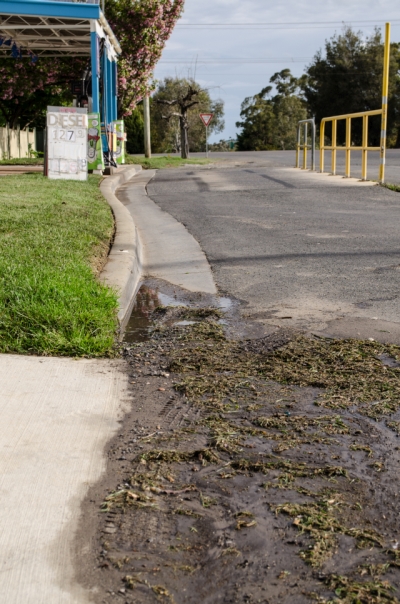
(23, 161)
(54, 237)
(156, 163)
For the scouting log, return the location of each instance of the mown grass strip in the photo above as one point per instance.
(22, 161)
(390, 186)
(157, 163)
(54, 238)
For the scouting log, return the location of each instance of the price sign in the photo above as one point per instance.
(67, 139)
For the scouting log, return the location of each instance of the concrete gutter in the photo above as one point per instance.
(124, 266)
(170, 252)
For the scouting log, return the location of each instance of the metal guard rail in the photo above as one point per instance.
(348, 148)
(305, 146)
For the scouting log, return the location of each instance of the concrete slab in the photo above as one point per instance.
(169, 250)
(56, 417)
(17, 170)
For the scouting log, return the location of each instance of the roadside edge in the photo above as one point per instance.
(170, 252)
(125, 261)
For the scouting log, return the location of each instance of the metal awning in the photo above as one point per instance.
(50, 28)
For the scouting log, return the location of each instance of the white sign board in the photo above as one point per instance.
(67, 135)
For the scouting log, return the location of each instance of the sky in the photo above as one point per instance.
(233, 47)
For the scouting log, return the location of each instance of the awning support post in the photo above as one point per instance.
(114, 69)
(94, 41)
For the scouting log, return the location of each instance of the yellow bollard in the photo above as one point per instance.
(322, 147)
(364, 148)
(348, 146)
(385, 94)
(334, 143)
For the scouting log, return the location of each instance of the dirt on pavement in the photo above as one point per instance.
(253, 467)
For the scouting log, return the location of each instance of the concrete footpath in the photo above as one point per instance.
(56, 416)
(15, 170)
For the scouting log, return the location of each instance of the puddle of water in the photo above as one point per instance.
(388, 360)
(147, 300)
(169, 301)
(184, 323)
(225, 304)
(140, 324)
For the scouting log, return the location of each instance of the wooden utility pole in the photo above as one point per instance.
(147, 135)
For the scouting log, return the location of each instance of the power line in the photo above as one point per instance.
(341, 75)
(236, 61)
(286, 25)
(266, 28)
(234, 74)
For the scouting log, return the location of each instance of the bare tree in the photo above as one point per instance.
(183, 102)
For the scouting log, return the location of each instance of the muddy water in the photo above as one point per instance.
(140, 323)
(149, 298)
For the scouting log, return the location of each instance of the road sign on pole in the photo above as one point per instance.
(206, 118)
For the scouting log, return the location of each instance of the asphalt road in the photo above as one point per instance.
(309, 251)
(288, 159)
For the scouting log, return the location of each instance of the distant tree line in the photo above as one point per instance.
(347, 78)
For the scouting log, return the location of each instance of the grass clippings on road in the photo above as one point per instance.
(166, 161)
(265, 489)
(54, 239)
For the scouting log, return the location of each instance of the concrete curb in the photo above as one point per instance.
(124, 265)
(170, 252)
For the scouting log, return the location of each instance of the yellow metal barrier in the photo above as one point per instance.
(385, 94)
(364, 115)
(334, 147)
(303, 125)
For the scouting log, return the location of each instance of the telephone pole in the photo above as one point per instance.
(147, 135)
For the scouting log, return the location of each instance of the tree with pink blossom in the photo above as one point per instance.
(26, 88)
(142, 27)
